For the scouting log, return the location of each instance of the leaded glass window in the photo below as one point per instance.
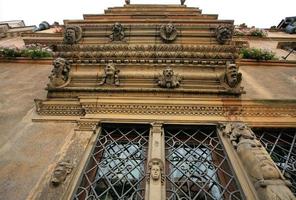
(116, 167)
(280, 143)
(197, 166)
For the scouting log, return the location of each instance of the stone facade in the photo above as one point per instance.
(128, 68)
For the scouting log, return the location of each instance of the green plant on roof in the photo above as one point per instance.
(257, 54)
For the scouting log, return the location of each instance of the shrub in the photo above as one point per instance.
(32, 51)
(258, 33)
(257, 54)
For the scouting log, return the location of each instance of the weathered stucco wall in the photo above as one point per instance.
(26, 148)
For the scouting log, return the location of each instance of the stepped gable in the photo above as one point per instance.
(143, 50)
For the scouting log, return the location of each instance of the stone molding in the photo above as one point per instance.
(56, 108)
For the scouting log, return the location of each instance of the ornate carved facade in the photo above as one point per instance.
(176, 80)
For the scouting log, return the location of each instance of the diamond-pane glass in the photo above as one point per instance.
(281, 145)
(197, 166)
(116, 168)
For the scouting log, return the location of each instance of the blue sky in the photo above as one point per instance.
(259, 13)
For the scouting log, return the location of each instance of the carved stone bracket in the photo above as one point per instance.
(168, 32)
(61, 172)
(111, 75)
(169, 79)
(231, 78)
(72, 34)
(262, 171)
(117, 32)
(224, 33)
(60, 75)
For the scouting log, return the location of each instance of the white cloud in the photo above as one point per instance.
(261, 13)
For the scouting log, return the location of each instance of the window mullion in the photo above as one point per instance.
(155, 187)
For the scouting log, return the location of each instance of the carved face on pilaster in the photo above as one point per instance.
(60, 172)
(156, 169)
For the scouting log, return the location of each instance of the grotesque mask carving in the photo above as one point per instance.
(231, 78)
(183, 2)
(156, 169)
(168, 79)
(60, 172)
(60, 74)
(127, 2)
(72, 34)
(117, 32)
(168, 32)
(224, 33)
(266, 177)
(111, 75)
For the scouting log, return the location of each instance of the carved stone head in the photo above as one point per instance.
(117, 32)
(233, 77)
(168, 73)
(224, 33)
(168, 32)
(111, 75)
(183, 2)
(168, 79)
(72, 34)
(156, 168)
(60, 172)
(244, 131)
(60, 73)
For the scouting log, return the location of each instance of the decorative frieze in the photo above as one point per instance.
(146, 47)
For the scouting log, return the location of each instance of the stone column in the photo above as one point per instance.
(255, 162)
(155, 187)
